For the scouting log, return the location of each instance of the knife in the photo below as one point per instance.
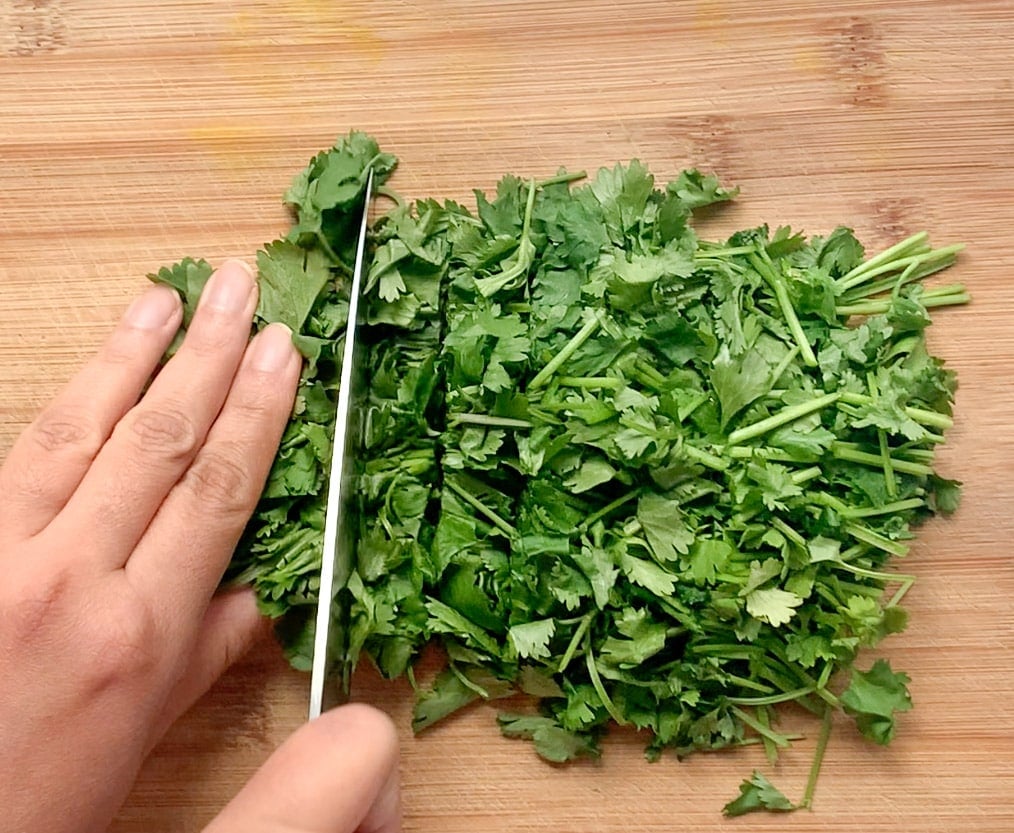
(331, 672)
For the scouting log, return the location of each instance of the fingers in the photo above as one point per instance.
(155, 442)
(51, 457)
(188, 544)
(231, 625)
(338, 774)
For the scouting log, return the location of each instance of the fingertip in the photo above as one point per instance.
(154, 309)
(339, 772)
(272, 350)
(371, 734)
(231, 289)
(365, 725)
(238, 263)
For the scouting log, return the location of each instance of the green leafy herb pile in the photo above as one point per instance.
(642, 477)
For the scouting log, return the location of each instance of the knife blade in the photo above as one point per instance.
(331, 672)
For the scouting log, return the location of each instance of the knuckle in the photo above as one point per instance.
(119, 350)
(121, 642)
(34, 604)
(220, 482)
(259, 399)
(66, 431)
(166, 431)
(106, 640)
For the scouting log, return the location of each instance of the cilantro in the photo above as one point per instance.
(758, 793)
(552, 742)
(645, 478)
(873, 697)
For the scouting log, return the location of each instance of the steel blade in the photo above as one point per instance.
(330, 675)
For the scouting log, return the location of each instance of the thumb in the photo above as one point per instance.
(338, 774)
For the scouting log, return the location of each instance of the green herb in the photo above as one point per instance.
(644, 478)
(873, 697)
(757, 794)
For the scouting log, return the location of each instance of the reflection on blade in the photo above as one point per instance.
(331, 673)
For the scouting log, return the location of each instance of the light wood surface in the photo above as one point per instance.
(133, 133)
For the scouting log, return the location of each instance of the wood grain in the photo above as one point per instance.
(134, 133)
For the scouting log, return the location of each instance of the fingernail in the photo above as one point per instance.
(272, 349)
(154, 309)
(229, 289)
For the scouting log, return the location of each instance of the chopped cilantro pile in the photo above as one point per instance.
(645, 478)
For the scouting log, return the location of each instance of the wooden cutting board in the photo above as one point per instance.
(133, 133)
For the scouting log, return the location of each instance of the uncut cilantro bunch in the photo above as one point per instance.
(644, 478)
(303, 280)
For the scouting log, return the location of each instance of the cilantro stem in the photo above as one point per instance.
(845, 452)
(905, 581)
(523, 258)
(562, 178)
(818, 758)
(890, 482)
(803, 475)
(875, 539)
(762, 730)
(575, 640)
(746, 682)
(391, 194)
(326, 246)
(591, 382)
(916, 244)
(685, 617)
(718, 250)
(918, 268)
(944, 297)
(467, 683)
(887, 509)
(855, 551)
(825, 675)
(761, 452)
(899, 594)
(770, 748)
(783, 365)
(751, 741)
(705, 458)
(789, 532)
(598, 514)
(777, 284)
(933, 419)
(648, 375)
(727, 650)
(912, 267)
(774, 699)
(786, 415)
(482, 508)
(568, 350)
(489, 420)
(600, 690)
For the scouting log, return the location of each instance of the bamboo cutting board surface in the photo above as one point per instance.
(134, 133)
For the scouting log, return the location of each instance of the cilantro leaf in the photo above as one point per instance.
(873, 697)
(772, 605)
(531, 639)
(552, 741)
(291, 279)
(757, 793)
(739, 381)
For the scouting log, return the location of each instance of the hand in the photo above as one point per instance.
(118, 515)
